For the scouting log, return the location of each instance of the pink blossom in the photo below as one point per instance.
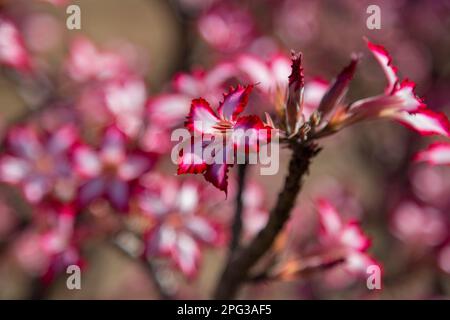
(86, 62)
(109, 170)
(268, 74)
(126, 98)
(419, 225)
(226, 27)
(203, 120)
(399, 102)
(48, 252)
(39, 163)
(179, 223)
(169, 109)
(345, 239)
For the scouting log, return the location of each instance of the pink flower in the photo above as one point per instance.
(12, 48)
(227, 27)
(125, 99)
(110, 170)
(179, 222)
(225, 129)
(269, 75)
(39, 164)
(86, 62)
(418, 226)
(48, 252)
(399, 102)
(169, 109)
(437, 154)
(345, 239)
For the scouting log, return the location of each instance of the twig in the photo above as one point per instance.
(237, 270)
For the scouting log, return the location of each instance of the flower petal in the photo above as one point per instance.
(113, 149)
(426, 122)
(353, 237)
(203, 229)
(86, 161)
(337, 89)
(126, 96)
(118, 194)
(24, 142)
(234, 102)
(187, 254)
(168, 109)
(313, 94)
(406, 92)
(257, 71)
(217, 174)
(90, 191)
(357, 263)
(166, 239)
(35, 187)
(437, 154)
(13, 170)
(385, 60)
(134, 166)
(201, 117)
(12, 49)
(251, 132)
(330, 221)
(62, 139)
(187, 197)
(191, 160)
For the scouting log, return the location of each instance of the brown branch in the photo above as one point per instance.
(237, 270)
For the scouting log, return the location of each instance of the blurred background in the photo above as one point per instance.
(366, 170)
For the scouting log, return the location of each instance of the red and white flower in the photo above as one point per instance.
(344, 239)
(40, 164)
(437, 154)
(12, 48)
(109, 170)
(179, 222)
(221, 130)
(399, 102)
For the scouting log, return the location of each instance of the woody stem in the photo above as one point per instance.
(239, 266)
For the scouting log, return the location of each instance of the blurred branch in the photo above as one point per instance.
(297, 269)
(237, 222)
(237, 270)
